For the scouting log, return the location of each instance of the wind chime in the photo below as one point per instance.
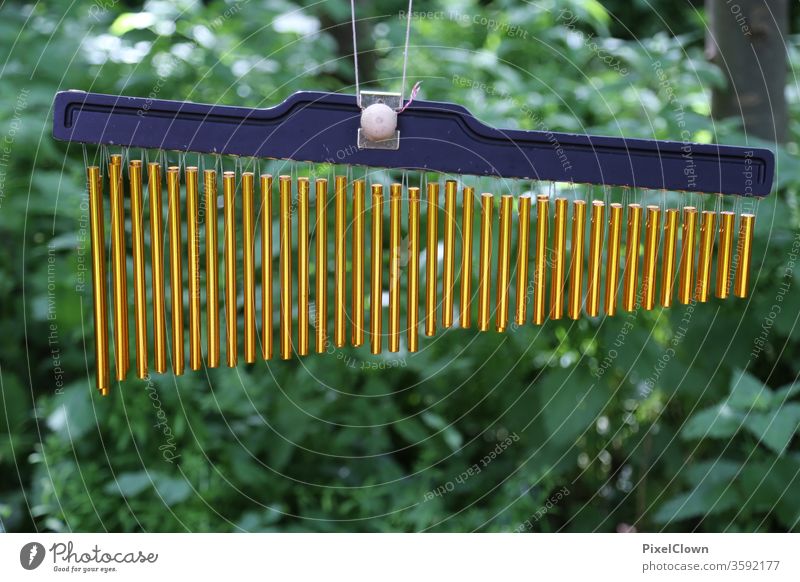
(330, 137)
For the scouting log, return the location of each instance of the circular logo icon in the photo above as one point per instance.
(31, 555)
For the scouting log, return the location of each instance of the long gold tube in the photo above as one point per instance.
(266, 266)
(119, 279)
(449, 261)
(744, 250)
(540, 262)
(139, 277)
(395, 197)
(376, 293)
(576, 264)
(229, 251)
(523, 255)
(157, 267)
(321, 295)
(302, 266)
(559, 259)
(212, 269)
(686, 289)
(706, 253)
(249, 266)
(175, 266)
(504, 261)
(485, 266)
(98, 241)
(725, 253)
(340, 261)
(595, 258)
(612, 259)
(634, 233)
(359, 196)
(431, 258)
(465, 306)
(651, 235)
(193, 236)
(668, 258)
(412, 302)
(285, 193)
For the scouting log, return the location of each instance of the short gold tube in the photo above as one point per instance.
(175, 267)
(285, 194)
(229, 251)
(359, 201)
(485, 265)
(139, 276)
(668, 258)
(376, 292)
(559, 259)
(157, 267)
(727, 224)
(612, 260)
(340, 260)
(449, 260)
(119, 278)
(631, 283)
(212, 269)
(686, 285)
(651, 235)
(503, 261)
(595, 258)
(465, 305)
(576, 264)
(266, 266)
(744, 251)
(540, 262)
(431, 258)
(706, 253)
(321, 295)
(395, 197)
(523, 255)
(249, 266)
(193, 236)
(302, 266)
(98, 242)
(412, 302)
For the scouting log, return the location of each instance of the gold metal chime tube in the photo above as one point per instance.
(465, 305)
(629, 297)
(576, 264)
(744, 251)
(652, 232)
(485, 267)
(504, 261)
(119, 279)
(175, 267)
(412, 303)
(266, 266)
(192, 234)
(668, 258)
(98, 241)
(285, 195)
(157, 267)
(212, 269)
(523, 254)
(559, 259)
(249, 267)
(340, 265)
(686, 284)
(321, 296)
(229, 250)
(302, 266)
(395, 197)
(139, 281)
(448, 267)
(376, 293)
(706, 252)
(359, 196)
(595, 258)
(540, 263)
(725, 256)
(612, 260)
(431, 259)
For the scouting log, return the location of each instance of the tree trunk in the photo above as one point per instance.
(746, 39)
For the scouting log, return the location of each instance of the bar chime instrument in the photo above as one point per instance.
(526, 250)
